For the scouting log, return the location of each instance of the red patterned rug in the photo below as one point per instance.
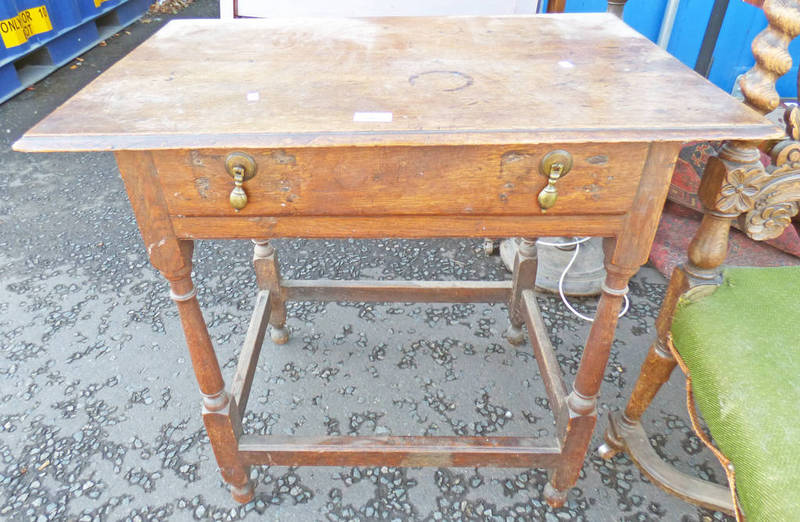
(682, 216)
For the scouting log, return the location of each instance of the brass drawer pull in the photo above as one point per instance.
(554, 165)
(241, 167)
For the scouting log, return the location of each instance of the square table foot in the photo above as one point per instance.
(279, 335)
(606, 451)
(243, 494)
(554, 497)
(514, 335)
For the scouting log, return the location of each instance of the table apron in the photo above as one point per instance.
(408, 227)
(397, 181)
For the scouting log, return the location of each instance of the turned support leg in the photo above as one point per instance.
(576, 433)
(656, 370)
(220, 412)
(173, 258)
(268, 276)
(624, 255)
(616, 7)
(524, 278)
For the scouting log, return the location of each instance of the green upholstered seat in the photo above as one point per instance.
(742, 347)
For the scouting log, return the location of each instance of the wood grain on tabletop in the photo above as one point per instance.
(445, 80)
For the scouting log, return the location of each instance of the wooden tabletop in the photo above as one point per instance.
(394, 81)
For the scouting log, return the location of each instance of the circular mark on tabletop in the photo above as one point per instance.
(445, 81)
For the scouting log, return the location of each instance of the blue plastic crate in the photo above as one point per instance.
(90, 8)
(12, 43)
(8, 77)
(64, 14)
(73, 27)
(36, 15)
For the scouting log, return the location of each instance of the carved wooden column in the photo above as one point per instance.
(524, 278)
(268, 277)
(770, 49)
(729, 184)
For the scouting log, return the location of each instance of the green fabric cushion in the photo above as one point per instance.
(742, 347)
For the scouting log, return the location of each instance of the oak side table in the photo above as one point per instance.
(522, 126)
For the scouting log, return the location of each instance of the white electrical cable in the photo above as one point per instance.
(577, 244)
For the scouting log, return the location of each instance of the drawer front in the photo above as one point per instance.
(469, 180)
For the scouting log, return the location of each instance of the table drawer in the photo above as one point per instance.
(468, 180)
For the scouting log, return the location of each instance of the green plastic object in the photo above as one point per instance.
(742, 347)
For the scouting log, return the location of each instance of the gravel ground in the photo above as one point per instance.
(100, 412)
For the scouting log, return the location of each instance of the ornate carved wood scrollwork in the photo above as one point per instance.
(736, 183)
(765, 200)
(775, 202)
(732, 179)
(730, 183)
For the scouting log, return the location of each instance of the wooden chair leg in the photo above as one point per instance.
(268, 276)
(576, 433)
(220, 412)
(625, 433)
(655, 371)
(524, 278)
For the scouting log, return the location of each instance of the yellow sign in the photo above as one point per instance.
(16, 31)
(98, 2)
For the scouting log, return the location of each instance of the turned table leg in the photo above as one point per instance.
(220, 411)
(173, 258)
(624, 255)
(524, 278)
(655, 371)
(582, 401)
(268, 276)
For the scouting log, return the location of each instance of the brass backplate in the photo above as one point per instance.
(243, 160)
(553, 157)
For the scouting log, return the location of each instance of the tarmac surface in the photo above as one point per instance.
(99, 410)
